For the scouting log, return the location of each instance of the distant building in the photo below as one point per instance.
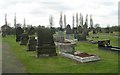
(6, 30)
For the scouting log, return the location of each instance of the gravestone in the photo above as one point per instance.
(75, 33)
(66, 46)
(45, 42)
(84, 33)
(19, 32)
(94, 31)
(24, 39)
(31, 31)
(32, 42)
(60, 37)
(79, 29)
(53, 30)
(69, 32)
(104, 43)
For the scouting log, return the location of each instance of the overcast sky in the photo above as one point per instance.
(36, 12)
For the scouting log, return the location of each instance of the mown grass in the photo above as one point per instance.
(57, 64)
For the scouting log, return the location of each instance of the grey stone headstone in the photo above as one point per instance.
(69, 32)
(24, 39)
(60, 36)
(66, 47)
(31, 45)
(75, 33)
(68, 29)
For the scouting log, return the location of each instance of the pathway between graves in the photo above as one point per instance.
(10, 64)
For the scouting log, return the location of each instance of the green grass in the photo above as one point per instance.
(57, 64)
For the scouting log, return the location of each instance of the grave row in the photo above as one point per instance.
(42, 41)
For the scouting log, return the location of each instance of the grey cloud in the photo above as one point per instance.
(58, 6)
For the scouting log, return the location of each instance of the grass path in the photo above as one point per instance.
(10, 64)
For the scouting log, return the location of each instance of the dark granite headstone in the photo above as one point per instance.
(31, 31)
(24, 39)
(19, 32)
(104, 43)
(45, 42)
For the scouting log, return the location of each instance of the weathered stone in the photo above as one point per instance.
(68, 47)
(31, 31)
(24, 39)
(75, 33)
(80, 56)
(69, 32)
(81, 37)
(45, 43)
(31, 45)
(60, 37)
(19, 32)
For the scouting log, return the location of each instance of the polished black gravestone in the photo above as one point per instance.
(105, 44)
(45, 42)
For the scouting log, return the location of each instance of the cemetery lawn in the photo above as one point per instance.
(57, 64)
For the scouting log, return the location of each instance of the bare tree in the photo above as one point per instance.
(91, 22)
(73, 20)
(86, 21)
(81, 20)
(6, 19)
(24, 23)
(64, 20)
(76, 19)
(61, 21)
(51, 20)
(15, 20)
